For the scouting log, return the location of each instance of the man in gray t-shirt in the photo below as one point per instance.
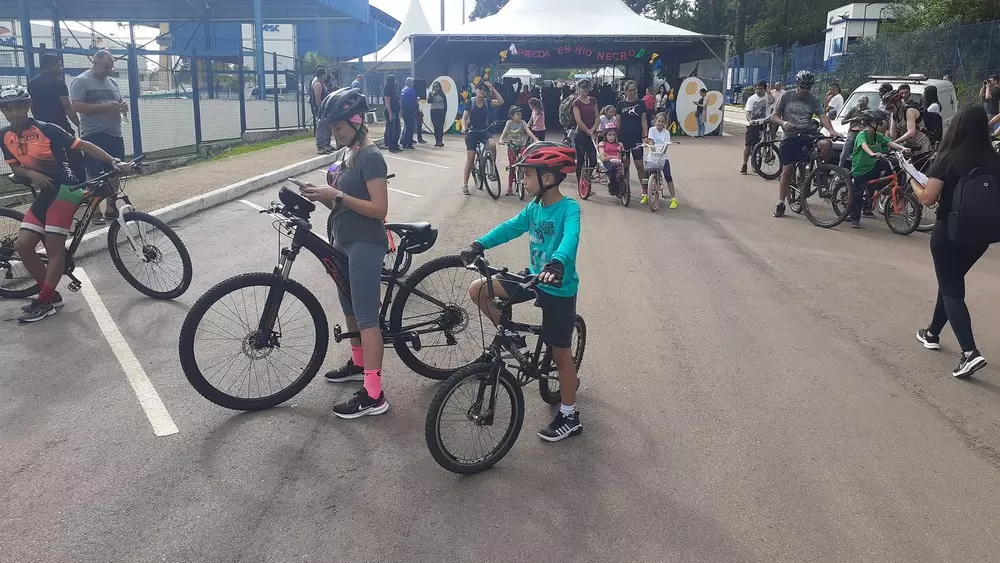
(98, 100)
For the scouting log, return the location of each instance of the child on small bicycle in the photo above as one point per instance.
(659, 138)
(516, 134)
(552, 222)
(37, 151)
(870, 145)
(610, 152)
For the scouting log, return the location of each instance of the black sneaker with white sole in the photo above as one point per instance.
(57, 301)
(361, 405)
(562, 427)
(350, 372)
(969, 364)
(930, 341)
(779, 210)
(36, 312)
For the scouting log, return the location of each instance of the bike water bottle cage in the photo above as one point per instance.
(295, 204)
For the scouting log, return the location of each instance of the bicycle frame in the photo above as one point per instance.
(334, 262)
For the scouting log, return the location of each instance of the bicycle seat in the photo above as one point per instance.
(20, 180)
(403, 228)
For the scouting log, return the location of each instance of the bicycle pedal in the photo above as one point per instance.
(337, 332)
(415, 341)
(74, 286)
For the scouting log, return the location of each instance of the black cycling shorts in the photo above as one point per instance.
(795, 149)
(632, 143)
(753, 135)
(473, 138)
(558, 313)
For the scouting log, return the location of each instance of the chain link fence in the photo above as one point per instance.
(969, 53)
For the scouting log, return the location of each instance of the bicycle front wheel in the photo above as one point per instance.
(625, 190)
(766, 161)
(229, 362)
(491, 179)
(902, 213)
(520, 183)
(825, 195)
(474, 419)
(434, 303)
(150, 256)
(655, 186)
(15, 281)
(583, 185)
(928, 216)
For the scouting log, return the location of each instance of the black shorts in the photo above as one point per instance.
(632, 142)
(794, 150)
(753, 135)
(558, 313)
(115, 146)
(473, 138)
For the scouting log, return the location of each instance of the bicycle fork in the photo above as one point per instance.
(265, 335)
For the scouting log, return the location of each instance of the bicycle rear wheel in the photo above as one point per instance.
(825, 195)
(389, 261)
(625, 189)
(928, 216)
(220, 334)
(434, 302)
(154, 261)
(519, 178)
(491, 179)
(549, 388)
(583, 185)
(902, 213)
(15, 281)
(765, 161)
(466, 431)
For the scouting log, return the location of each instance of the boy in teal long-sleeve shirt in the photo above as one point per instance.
(552, 222)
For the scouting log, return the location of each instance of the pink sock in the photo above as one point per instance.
(357, 356)
(373, 383)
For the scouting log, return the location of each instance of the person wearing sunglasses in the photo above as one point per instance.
(37, 151)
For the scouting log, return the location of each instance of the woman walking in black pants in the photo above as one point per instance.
(966, 146)
(439, 108)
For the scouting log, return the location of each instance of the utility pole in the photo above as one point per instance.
(442, 15)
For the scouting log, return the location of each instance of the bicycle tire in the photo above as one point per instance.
(760, 152)
(116, 258)
(489, 169)
(793, 199)
(464, 309)
(654, 192)
(840, 179)
(545, 386)
(389, 260)
(625, 191)
(890, 212)
(7, 240)
(583, 186)
(189, 332)
(477, 175)
(519, 178)
(432, 426)
(929, 212)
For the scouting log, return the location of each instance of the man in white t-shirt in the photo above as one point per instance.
(834, 100)
(758, 107)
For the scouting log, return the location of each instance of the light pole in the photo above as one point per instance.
(864, 24)
(770, 68)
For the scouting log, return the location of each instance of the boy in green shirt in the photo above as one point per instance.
(866, 162)
(552, 222)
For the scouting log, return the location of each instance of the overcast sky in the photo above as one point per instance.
(432, 9)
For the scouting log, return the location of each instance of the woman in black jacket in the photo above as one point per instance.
(439, 109)
(966, 146)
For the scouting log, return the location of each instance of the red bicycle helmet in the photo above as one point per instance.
(893, 98)
(548, 155)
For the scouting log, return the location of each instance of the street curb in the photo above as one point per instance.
(98, 240)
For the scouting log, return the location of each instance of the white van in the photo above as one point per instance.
(916, 82)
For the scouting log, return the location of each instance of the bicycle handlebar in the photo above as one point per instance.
(528, 282)
(487, 130)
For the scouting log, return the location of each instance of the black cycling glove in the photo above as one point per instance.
(557, 269)
(470, 253)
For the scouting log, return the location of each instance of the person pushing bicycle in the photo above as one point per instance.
(552, 222)
(478, 115)
(37, 151)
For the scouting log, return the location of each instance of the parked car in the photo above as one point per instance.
(917, 83)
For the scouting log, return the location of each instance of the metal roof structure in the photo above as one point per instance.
(185, 10)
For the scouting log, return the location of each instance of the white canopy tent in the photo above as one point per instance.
(397, 53)
(522, 73)
(609, 73)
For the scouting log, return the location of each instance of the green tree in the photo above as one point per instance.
(925, 14)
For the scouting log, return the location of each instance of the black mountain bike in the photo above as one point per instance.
(484, 167)
(147, 253)
(822, 190)
(255, 340)
(764, 157)
(476, 415)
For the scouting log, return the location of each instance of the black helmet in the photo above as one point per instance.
(805, 79)
(873, 116)
(13, 94)
(342, 105)
(884, 89)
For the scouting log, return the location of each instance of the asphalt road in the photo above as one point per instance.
(752, 391)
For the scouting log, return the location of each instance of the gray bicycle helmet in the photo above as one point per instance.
(342, 104)
(805, 79)
(872, 116)
(14, 95)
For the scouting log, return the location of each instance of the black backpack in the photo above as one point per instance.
(974, 218)
(933, 125)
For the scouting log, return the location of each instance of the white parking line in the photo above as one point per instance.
(252, 204)
(150, 401)
(417, 161)
(404, 193)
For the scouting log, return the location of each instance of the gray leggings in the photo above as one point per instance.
(364, 271)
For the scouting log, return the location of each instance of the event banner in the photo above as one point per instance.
(569, 53)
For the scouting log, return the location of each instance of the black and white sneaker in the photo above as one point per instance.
(779, 210)
(361, 405)
(36, 312)
(930, 341)
(57, 301)
(562, 427)
(350, 372)
(969, 364)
